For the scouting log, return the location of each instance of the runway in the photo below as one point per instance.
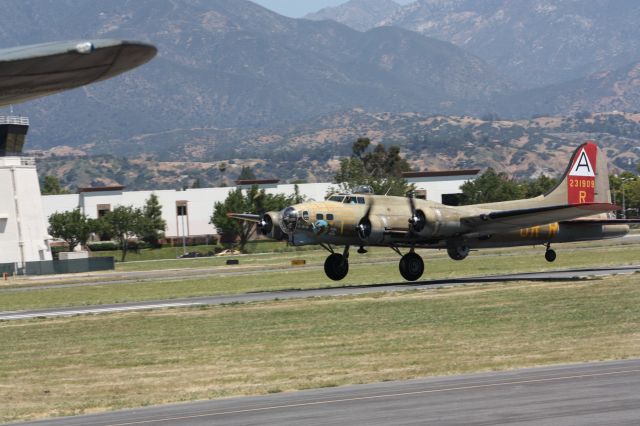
(583, 394)
(324, 292)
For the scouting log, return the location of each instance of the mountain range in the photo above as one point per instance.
(232, 63)
(534, 43)
(238, 83)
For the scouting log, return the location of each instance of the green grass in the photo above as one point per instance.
(83, 364)
(383, 269)
(253, 247)
(271, 252)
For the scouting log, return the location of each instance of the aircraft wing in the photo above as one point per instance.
(29, 72)
(506, 220)
(245, 216)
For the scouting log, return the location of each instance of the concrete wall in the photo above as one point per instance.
(437, 186)
(23, 226)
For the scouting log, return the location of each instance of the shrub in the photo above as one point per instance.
(103, 246)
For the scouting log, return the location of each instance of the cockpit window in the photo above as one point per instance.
(337, 198)
(350, 200)
(360, 200)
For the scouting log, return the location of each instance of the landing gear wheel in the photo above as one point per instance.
(336, 266)
(411, 266)
(550, 255)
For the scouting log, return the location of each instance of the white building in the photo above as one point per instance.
(188, 212)
(23, 225)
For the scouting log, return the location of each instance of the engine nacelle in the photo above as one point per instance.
(269, 225)
(371, 230)
(458, 252)
(436, 223)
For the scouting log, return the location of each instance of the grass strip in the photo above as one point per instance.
(484, 263)
(85, 364)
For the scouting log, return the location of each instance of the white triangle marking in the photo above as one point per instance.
(583, 166)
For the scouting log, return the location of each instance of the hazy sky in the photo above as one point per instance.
(299, 8)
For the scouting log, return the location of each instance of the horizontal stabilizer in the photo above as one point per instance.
(506, 220)
(602, 221)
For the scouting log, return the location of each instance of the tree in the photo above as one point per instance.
(539, 186)
(124, 222)
(222, 168)
(249, 201)
(51, 186)
(246, 174)
(360, 146)
(74, 227)
(625, 189)
(153, 225)
(491, 187)
(379, 168)
(632, 198)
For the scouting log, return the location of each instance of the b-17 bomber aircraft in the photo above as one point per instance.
(575, 210)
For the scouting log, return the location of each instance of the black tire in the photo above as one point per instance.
(411, 266)
(550, 255)
(336, 266)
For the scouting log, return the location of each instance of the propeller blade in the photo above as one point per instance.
(364, 225)
(417, 219)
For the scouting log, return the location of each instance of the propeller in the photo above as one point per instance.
(364, 226)
(265, 226)
(418, 220)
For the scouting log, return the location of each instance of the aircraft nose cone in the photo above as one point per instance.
(290, 218)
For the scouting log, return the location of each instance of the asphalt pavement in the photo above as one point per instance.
(606, 393)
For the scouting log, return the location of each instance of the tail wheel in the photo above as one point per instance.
(336, 266)
(411, 266)
(550, 255)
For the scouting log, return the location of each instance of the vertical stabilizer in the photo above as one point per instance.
(586, 179)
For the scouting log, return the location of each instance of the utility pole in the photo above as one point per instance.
(624, 206)
(624, 203)
(184, 237)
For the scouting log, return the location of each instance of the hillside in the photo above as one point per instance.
(231, 63)
(615, 90)
(311, 152)
(361, 15)
(534, 43)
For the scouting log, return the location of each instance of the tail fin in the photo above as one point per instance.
(586, 179)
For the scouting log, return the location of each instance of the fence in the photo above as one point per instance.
(47, 267)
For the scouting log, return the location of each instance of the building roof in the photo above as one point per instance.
(442, 173)
(257, 181)
(101, 188)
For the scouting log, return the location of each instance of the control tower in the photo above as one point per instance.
(23, 227)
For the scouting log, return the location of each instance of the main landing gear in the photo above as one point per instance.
(336, 266)
(411, 266)
(550, 254)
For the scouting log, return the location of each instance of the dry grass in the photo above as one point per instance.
(84, 364)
